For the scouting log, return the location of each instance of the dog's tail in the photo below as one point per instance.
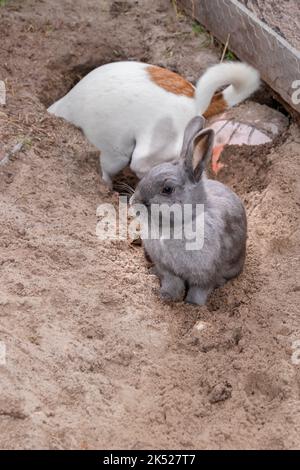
(243, 80)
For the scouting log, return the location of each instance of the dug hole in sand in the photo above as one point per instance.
(93, 358)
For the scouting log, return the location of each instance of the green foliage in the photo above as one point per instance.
(230, 56)
(2, 3)
(197, 28)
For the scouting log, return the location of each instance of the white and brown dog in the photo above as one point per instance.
(136, 113)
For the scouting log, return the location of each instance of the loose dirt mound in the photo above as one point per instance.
(94, 358)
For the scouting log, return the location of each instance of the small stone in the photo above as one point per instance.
(220, 392)
(199, 328)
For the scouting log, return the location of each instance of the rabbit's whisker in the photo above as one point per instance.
(125, 186)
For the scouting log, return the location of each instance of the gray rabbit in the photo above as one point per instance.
(193, 273)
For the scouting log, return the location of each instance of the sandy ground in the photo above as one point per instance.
(93, 358)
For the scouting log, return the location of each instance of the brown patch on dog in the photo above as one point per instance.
(217, 106)
(170, 81)
(176, 84)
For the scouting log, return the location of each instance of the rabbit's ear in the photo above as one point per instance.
(198, 153)
(192, 129)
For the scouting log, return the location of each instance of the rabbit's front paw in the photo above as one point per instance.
(197, 295)
(172, 288)
(166, 296)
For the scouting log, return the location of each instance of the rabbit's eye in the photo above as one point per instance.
(167, 189)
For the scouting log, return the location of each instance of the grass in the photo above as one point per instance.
(197, 28)
(175, 6)
(2, 3)
(230, 56)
